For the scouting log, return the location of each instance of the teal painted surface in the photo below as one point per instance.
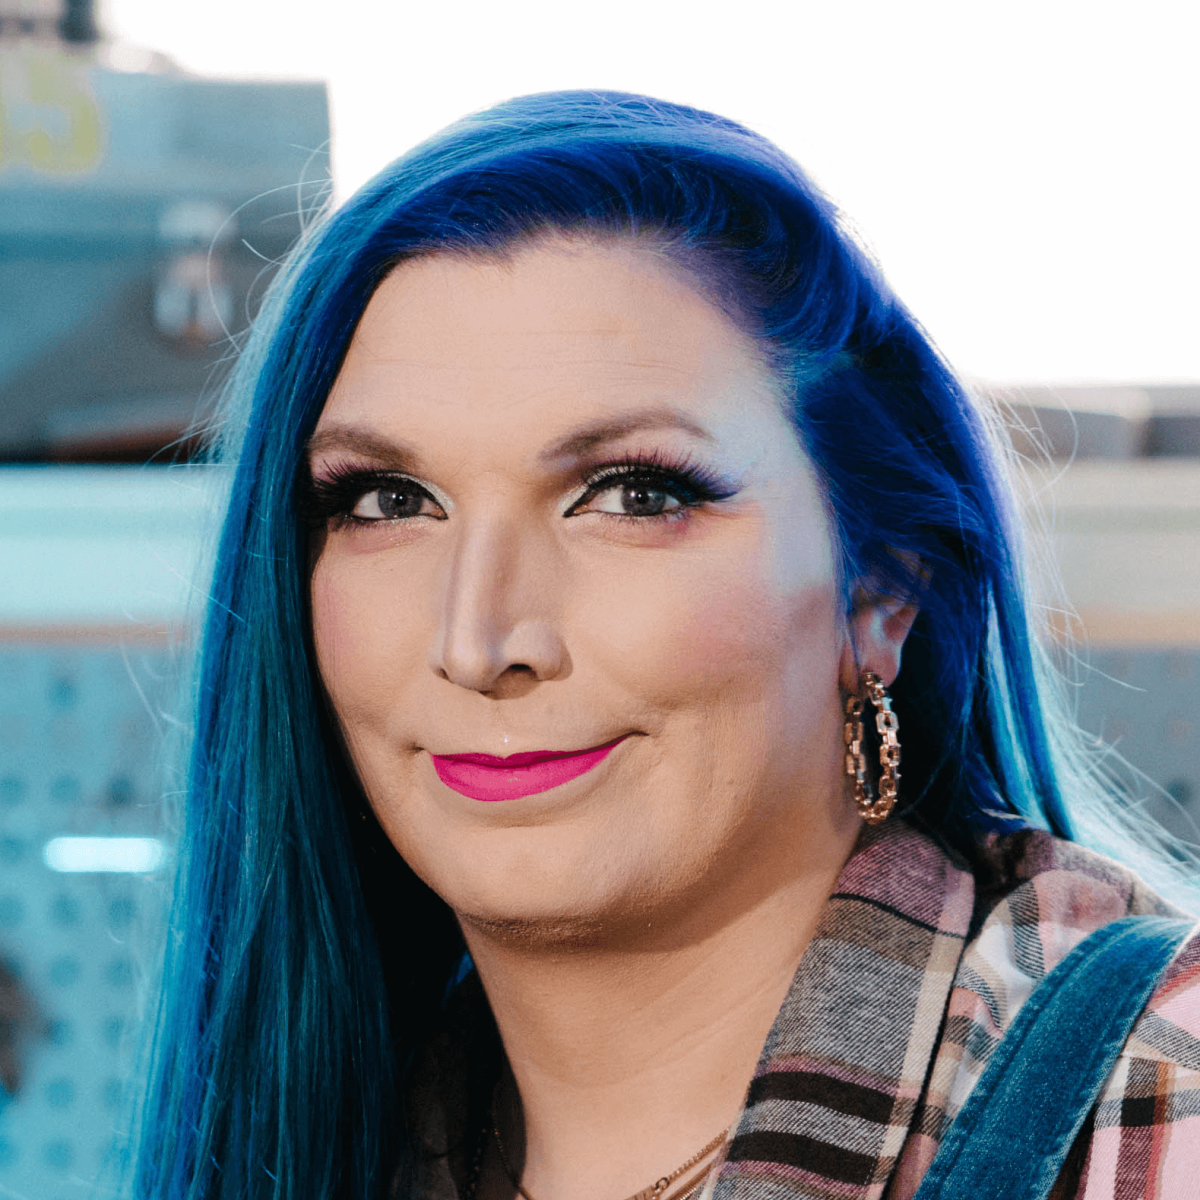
(86, 748)
(105, 545)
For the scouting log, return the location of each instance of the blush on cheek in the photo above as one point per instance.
(371, 648)
(349, 654)
(329, 623)
(676, 641)
(348, 662)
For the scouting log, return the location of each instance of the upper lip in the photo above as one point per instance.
(527, 759)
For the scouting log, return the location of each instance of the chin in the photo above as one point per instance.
(565, 919)
(549, 932)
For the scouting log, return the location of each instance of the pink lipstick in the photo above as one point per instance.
(485, 777)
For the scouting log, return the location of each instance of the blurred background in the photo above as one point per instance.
(1025, 172)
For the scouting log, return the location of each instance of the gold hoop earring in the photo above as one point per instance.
(873, 809)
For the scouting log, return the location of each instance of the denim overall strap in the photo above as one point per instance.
(1013, 1134)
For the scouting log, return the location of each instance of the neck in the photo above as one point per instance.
(627, 1058)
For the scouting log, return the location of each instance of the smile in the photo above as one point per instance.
(485, 777)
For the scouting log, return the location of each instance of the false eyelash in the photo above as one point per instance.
(687, 480)
(333, 495)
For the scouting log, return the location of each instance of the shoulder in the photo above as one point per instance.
(1061, 882)
(1038, 897)
(1145, 1137)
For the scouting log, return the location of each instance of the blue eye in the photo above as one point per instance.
(394, 502)
(649, 487)
(363, 497)
(644, 497)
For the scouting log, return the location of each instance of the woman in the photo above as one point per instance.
(592, 490)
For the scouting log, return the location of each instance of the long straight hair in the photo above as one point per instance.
(305, 961)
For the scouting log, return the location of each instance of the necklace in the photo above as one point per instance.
(654, 1192)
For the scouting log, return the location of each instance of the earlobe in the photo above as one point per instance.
(875, 639)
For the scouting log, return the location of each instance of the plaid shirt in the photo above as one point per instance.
(918, 966)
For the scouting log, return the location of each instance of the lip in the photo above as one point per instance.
(486, 777)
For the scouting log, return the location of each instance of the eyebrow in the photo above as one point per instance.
(361, 441)
(587, 438)
(576, 444)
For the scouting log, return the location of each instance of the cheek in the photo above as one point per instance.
(332, 619)
(715, 630)
(362, 648)
(335, 616)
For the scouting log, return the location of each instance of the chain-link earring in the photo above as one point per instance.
(873, 808)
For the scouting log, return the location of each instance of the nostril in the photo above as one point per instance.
(516, 680)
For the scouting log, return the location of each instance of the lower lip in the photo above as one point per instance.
(479, 782)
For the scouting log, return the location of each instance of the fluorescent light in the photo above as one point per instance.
(104, 854)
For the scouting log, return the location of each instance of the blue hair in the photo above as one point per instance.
(306, 961)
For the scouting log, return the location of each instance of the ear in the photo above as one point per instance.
(875, 637)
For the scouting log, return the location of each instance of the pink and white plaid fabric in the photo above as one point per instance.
(918, 966)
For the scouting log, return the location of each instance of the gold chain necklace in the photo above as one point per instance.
(653, 1192)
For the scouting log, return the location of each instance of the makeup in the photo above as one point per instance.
(485, 777)
(662, 486)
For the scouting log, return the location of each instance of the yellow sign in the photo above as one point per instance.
(50, 120)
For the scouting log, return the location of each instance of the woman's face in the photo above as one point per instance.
(566, 512)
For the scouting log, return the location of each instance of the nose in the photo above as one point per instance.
(497, 618)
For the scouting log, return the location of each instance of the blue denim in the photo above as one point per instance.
(1018, 1124)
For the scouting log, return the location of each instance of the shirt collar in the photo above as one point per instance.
(837, 1086)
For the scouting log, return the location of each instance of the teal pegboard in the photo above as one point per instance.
(85, 750)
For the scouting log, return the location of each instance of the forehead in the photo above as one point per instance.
(549, 332)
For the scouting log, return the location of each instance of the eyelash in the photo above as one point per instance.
(333, 496)
(688, 482)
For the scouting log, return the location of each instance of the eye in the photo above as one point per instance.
(649, 487)
(394, 502)
(636, 497)
(349, 496)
